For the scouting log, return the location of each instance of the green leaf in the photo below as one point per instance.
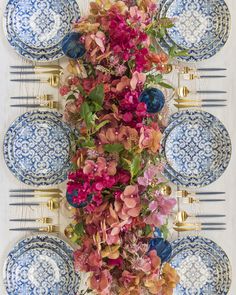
(82, 91)
(135, 166)
(113, 148)
(165, 85)
(71, 97)
(97, 107)
(165, 231)
(84, 110)
(89, 143)
(147, 230)
(79, 229)
(100, 125)
(97, 94)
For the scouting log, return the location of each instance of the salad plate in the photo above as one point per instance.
(202, 265)
(36, 28)
(41, 265)
(37, 148)
(196, 147)
(201, 27)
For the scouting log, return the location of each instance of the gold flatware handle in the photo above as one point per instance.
(184, 106)
(182, 229)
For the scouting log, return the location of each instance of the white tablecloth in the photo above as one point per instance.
(226, 58)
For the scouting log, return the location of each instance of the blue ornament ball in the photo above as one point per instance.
(154, 100)
(70, 197)
(72, 46)
(162, 247)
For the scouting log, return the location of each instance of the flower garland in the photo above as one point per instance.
(115, 182)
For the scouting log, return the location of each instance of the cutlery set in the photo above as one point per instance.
(43, 101)
(52, 204)
(183, 101)
(181, 223)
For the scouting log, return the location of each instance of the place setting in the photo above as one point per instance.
(114, 167)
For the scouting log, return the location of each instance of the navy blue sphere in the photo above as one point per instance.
(154, 100)
(70, 197)
(72, 46)
(162, 247)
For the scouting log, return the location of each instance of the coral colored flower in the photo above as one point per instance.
(137, 79)
(100, 281)
(129, 203)
(150, 139)
(124, 82)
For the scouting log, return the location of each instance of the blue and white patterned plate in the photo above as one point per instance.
(36, 28)
(202, 27)
(196, 147)
(41, 265)
(202, 265)
(37, 148)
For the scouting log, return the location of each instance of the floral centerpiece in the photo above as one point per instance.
(114, 100)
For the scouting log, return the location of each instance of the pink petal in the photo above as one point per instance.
(115, 231)
(134, 212)
(130, 202)
(130, 190)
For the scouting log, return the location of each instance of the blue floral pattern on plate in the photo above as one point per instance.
(197, 148)
(41, 265)
(202, 27)
(36, 28)
(37, 147)
(202, 265)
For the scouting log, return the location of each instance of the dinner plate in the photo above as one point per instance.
(37, 148)
(196, 147)
(36, 28)
(201, 27)
(202, 265)
(41, 265)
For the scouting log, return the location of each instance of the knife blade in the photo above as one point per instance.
(211, 76)
(36, 72)
(183, 106)
(25, 80)
(24, 97)
(210, 215)
(213, 228)
(37, 229)
(25, 204)
(38, 195)
(209, 193)
(36, 67)
(210, 91)
(183, 100)
(213, 223)
(183, 229)
(29, 190)
(211, 69)
(28, 105)
(212, 200)
(23, 220)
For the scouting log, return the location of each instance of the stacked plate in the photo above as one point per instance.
(202, 265)
(200, 26)
(196, 147)
(36, 28)
(37, 148)
(41, 265)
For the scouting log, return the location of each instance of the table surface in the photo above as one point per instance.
(227, 182)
